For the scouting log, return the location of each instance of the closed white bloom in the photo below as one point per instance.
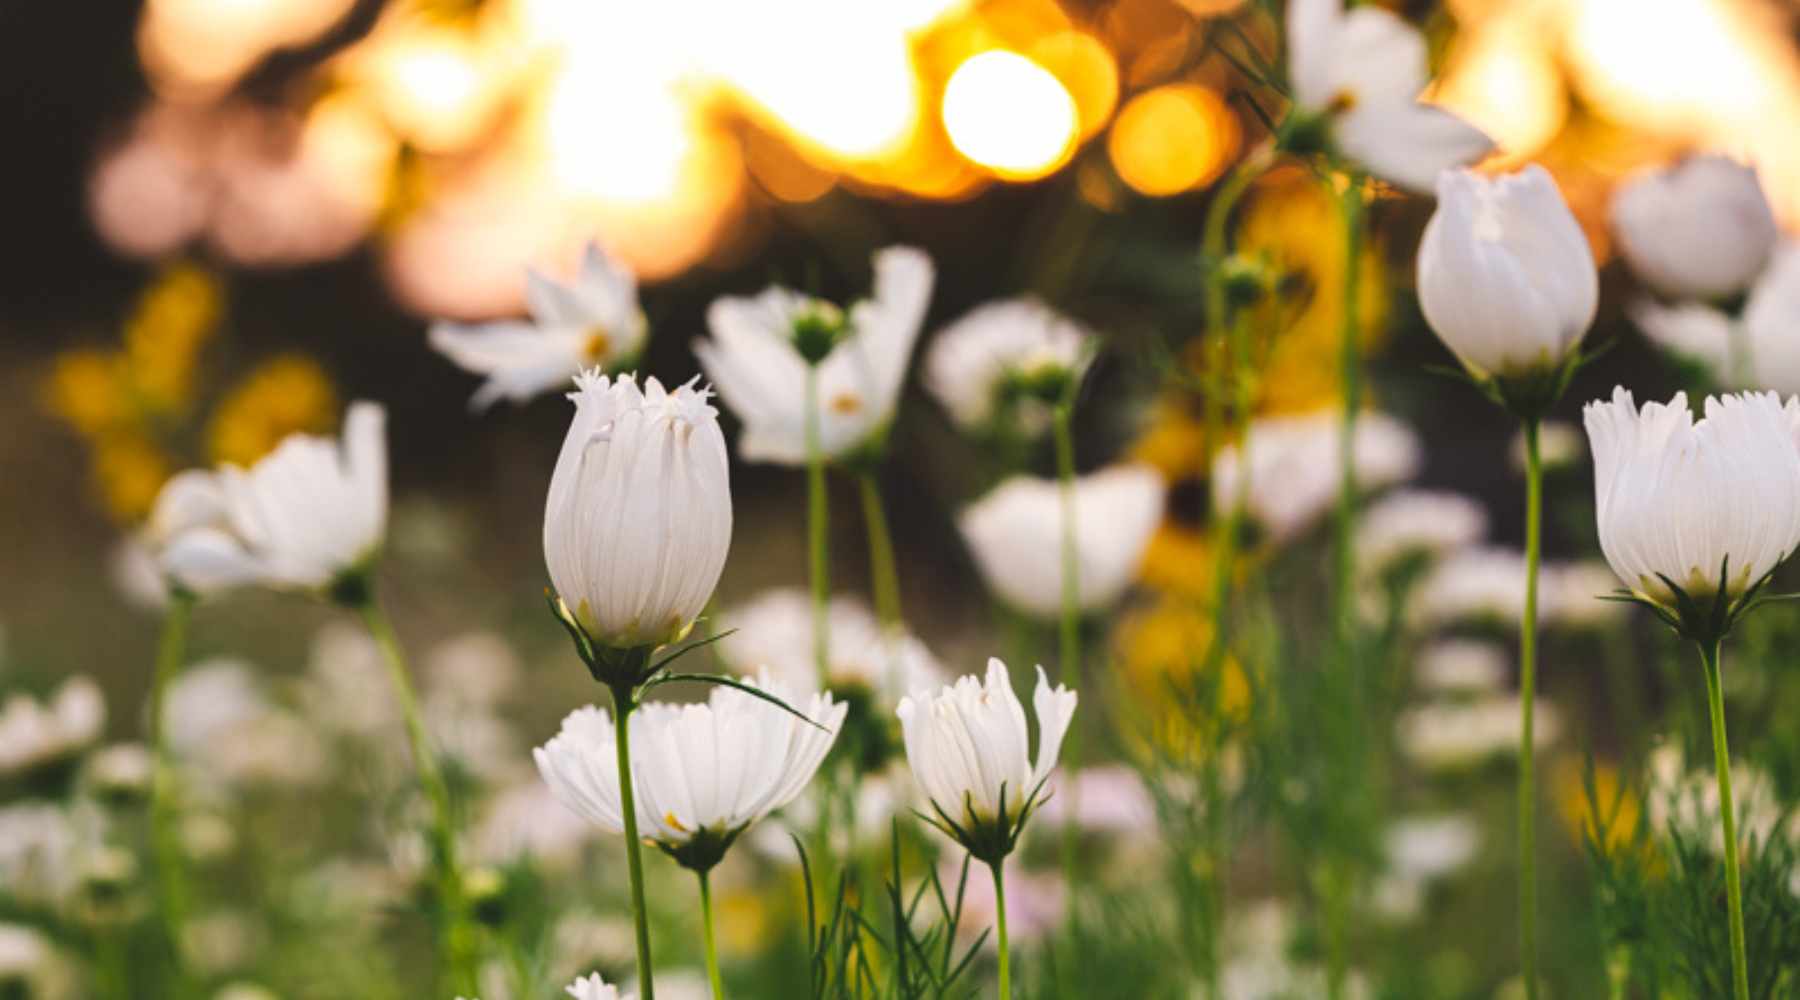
(1757, 350)
(773, 633)
(760, 374)
(1016, 534)
(590, 322)
(1413, 523)
(1364, 68)
(34, 733)
(1700, 229)
(1506, 277)
(1293, 466)
(969, 749)
(976, 364)
(303, 516)
(700, 770)
(1677, 497)
(638, 519)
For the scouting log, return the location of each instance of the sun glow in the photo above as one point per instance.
(1010, 115)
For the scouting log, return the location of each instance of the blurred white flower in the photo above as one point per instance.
(1036, 902)
(1408, 524)
(1676, 498)
(41, 846)
(970, 753)
(701, 772)
(1572, 595)
(1484, 585)
(1363, 69)
(1455, 736)
(1108, 798)
(34, 733)
(478, 668)
(773, 632)
(220, 941)
(308, 513)
(1005, 353)
(1431, 847)
(527, 820)
(1015, 533)
(278, 748)
(1506, 278)
(1560, 445)
(473, 736)
(24, 952)
(1754, 350)
(137, 575)
(591, 322)
(1688, 801)
(1293, 463)
(654, 461)
(345, 689)
(880, 797)
(761, 374)
(591, 987)
(208, 699)
(121, 769)
(1462, 666)
(188, 541)
(1700, 229)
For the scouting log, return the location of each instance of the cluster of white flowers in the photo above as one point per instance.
(1292, 469)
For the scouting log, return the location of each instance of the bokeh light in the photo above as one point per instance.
(1173, 138)
(1010, 115)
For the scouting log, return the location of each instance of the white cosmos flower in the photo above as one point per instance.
(752, 359)
(1294, 475)
(638, 519)
(1506, 277)
(976, 364)
(1757, 350)
(1364, 68)
(1451, 736)
(1412, 523)
(302, 517)
(773, 632)
(1462, 666)
(33, 733)
(1676, 498)
(970, 752)
(591, 322)
(189, 540)
(1431, 847)
(591, 987)
(1700, 229)
(701, 771)
(1015, 533)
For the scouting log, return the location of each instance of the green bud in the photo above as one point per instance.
(818, 330)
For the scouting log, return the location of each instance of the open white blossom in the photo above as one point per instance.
(1700, 229)
(590, 322)
(638, 520)
(970, 752)
(1506, 277)
(701, 772)
(773, 632)
(592, 987)
(1754, 350)
(302, 517)
(1680, 501)
(34, 733)
(1016, 534)
(1363, 69)
(752, 359)
(1294, 476)
(1408, 524)
(996, 354)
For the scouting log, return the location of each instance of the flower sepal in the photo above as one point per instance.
(1703, 618)
(987, 839)
(702, 852)
(1531, 394)
(621, 669)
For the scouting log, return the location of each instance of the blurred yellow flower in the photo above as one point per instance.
(285, 395)
(128, 470)
(1162, 649)
(1179, 561)
(1174, 439)
(85, 389)
(163, 336)
(1614, 808)
(743, 922)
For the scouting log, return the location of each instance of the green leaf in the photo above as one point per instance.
(736, 685)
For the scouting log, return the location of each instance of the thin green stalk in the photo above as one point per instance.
(455, 932)
(818, 527)
(1715, 699)
(623, 705)
(1069, 659)
(1000, 928)
(884, 575)
(1534, 516)
(171, 880)
(712, 948)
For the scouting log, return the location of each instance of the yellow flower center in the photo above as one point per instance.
(598, 345)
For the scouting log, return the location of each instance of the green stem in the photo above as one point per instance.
(1000, 928)
(171, 881)
(1069, 657)
(712, 948)
(818, 527)
(884, 576)
(455, 932)
(1715, 698)
(1534, 517)
(623, 705)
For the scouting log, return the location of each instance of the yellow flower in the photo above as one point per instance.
(1162, 650)
(1615, 807)
(286, 395)
(1179, 561)
(128, 470)
(743, 922)
(1174, 440)
(173, 318)
(85, 390)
